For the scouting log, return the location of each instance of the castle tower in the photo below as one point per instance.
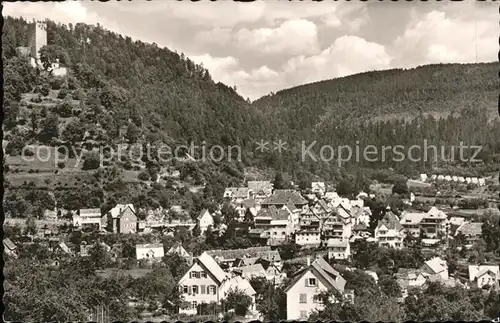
(37, 38)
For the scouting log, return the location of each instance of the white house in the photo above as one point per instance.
(205, 219)
(338, 249)
(301, 293)
(468, 180)
(434, 177)
(149, 251)
(461, 179)
(484, 275)
(423, 177)
(437, 268)
(447, 178)
(308, 238)
(454, 178)
(206, 282)
(481, 182)
(389, 231)
(87, 217)
(474, 180)
(440, 178)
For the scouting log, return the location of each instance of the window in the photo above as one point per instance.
(185, 289)
(203, 289)
(203, 274)
(303, 314)
(195, 289)
(211, 290)
(311, 282)
(195, 303)
(303, 298)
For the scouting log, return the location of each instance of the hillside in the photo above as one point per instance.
(118, 91)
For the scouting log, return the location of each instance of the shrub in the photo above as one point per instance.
(56, 83)
(45, 90)
(143, 176)
(61, 164)
(63, 93)
(92, 161)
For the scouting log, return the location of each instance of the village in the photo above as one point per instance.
(301, 241)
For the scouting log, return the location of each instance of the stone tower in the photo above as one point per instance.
(37, 38)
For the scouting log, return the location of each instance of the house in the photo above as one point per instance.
(121, 219)
(411, 223)
(434, 223)
(338, 224)
(10, 248)
(389, 231)
(278, 222)
(302, 292)
(87, 217)
(179, 250)
(149, 251)
(260, 189)
(205, 219)
(437, 268)
(318, 188)
(461, 179)
(484, 275)
(440, 178)
(238, 283)
(481, 182)
(373, 275)
(423, 177)
(234, 257)
(237, 194)
(447, 178)
(280, 198)
(65, 248)
(434, 177)
(338, 249)
(206, 282)
(468, 180)
(409, 278)
(454, 178)
(471, 231)
(331, 196)
(455, 223)
(474, 180)
(308, 238)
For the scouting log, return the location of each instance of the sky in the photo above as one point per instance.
(266, 46)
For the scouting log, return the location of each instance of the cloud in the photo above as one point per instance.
(441, 37)
(347, 55)
(292, 37)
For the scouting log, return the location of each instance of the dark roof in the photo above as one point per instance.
(248, 203)
(283, 197)
(391, 221)
(471, 229)
(273, 212)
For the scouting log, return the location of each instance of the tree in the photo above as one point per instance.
(345, 188)
(92, 161)
(50, 54)
(49, 128)
(73, 131)
(278, 182)
(239, 301)
(228, 213)
(400, 187)
(271, 300)
(289, 250)
(99, 257)
(132, 133)
(390, 287)
(30, 226)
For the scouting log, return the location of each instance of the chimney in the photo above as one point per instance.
(308, 261)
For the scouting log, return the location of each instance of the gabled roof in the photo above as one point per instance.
(232, 254)
(485, 271)
(149, 246)
(437, 265)
(273, 213)
(435, 213)
(339, 243)
(211, 265)
(283, 197)
(474, 270)
(249, 203)
(178, 249)
(291, 207)
(320, 267)
(391, 221)
(470, 229)
(202, 213)
(255, 269)
(118, 210)
(90, 211)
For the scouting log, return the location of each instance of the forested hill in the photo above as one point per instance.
(162, 96)
(437, 90)
(175, 98)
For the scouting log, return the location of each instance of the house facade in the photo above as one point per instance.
(205, 219)
(121, 219)
(338, 249)
(149, 251)
(87, 217)
(389, 231)
(308, 238)
(484, 275)
(302, 292)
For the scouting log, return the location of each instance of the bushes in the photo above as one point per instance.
(144, 176)
(65, 110)
(92, 161)
(63, 93)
